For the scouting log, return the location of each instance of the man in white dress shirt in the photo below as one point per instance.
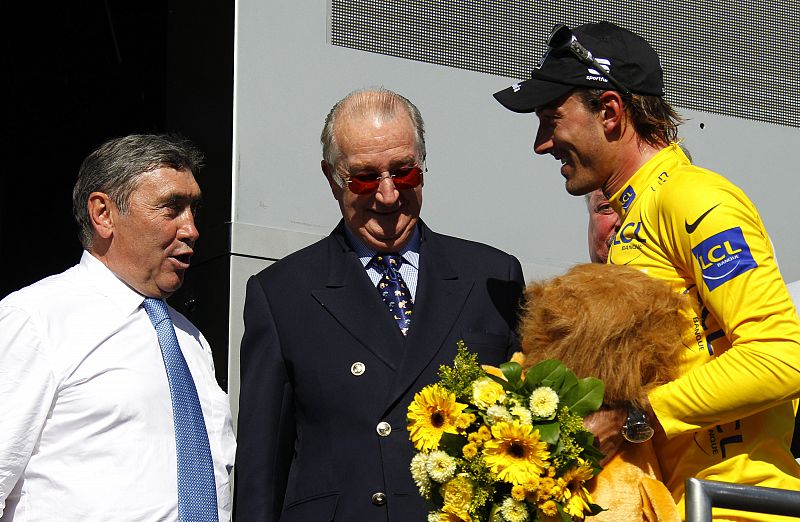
(87, 430)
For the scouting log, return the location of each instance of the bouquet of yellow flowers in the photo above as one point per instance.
(497, 446)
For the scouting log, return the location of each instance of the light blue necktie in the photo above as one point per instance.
(197, 490)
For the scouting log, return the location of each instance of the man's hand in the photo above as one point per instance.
(606, 424)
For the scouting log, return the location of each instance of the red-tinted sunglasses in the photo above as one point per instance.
(407, 178)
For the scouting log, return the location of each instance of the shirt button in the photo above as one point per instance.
(358, 368)
(379, 499)
(384, 429)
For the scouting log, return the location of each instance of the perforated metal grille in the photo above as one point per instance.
(726, 57)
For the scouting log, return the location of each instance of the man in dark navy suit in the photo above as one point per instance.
(340, 335)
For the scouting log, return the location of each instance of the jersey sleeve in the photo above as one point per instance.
(715, 237)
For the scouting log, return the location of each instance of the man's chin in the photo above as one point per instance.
(391, 242)
(170, 285)
(578, 190)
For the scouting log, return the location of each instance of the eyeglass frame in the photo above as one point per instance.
(345, 181)
(566, 39)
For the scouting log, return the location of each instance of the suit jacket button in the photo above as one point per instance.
(379, 499)
(358, 368)
(384, 429)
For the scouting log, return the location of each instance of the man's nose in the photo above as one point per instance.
(543, 142)
(387, 193)
(188, 230)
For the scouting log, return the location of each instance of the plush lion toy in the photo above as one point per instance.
(623, 327)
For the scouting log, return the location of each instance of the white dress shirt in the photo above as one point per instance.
(409, 269)
(86, 427)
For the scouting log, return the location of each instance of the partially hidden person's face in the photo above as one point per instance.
(153, 241)
(603, 226)
(574, 135)
(383, 219)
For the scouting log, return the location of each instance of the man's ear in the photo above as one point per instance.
(101, 214)
(330, 175)
(612, 111)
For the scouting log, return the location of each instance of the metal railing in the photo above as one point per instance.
(702, 495)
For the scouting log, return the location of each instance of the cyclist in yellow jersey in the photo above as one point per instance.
(598, 94)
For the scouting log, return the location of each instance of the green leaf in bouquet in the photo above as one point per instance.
(568, 386)
(513, 374)
(496, 515)
(452, 444)
(550, 373)
(586, 397)
(499, 380)
(593, 455)
(594, 509)
(549, 431)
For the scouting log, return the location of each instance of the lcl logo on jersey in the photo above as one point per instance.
(629, 232)
(724, 256)
(627, 197)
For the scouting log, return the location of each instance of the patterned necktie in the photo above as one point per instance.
(393, 289)
(197, 490)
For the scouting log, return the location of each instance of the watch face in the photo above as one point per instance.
(637, 431)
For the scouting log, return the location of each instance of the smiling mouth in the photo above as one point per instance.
(386, 212)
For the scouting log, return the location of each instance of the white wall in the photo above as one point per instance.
(484, 182)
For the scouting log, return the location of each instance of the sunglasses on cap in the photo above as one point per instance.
(405, 178)
(562, 38)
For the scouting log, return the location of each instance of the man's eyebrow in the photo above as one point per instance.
(176, 198)
(393, 164)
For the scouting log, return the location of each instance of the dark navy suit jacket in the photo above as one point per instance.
(309, 448)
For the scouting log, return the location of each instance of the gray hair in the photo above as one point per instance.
(116, 167)
(379, 102)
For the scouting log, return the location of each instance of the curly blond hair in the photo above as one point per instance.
(607, 321)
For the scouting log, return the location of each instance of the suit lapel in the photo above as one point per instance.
(350, 298)
(440, 298)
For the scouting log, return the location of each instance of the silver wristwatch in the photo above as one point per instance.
(636, 429)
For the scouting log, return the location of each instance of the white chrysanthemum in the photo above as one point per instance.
(419, 473)
(522, 413)
(440, 466)
(486, 392)
(434, 516)
(544, 401)
(497, 414)
(514, 511)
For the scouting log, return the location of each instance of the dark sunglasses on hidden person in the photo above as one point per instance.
(405, 178)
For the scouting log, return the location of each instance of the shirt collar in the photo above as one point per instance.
(410, 250)
(663, 161)
(109, 284)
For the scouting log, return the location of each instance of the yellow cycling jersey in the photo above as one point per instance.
(730, 416)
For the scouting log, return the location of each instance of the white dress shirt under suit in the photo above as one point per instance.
(86, 427)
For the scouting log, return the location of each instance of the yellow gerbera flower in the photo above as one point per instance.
(515, 453)
(433, 412)
(578, 498)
